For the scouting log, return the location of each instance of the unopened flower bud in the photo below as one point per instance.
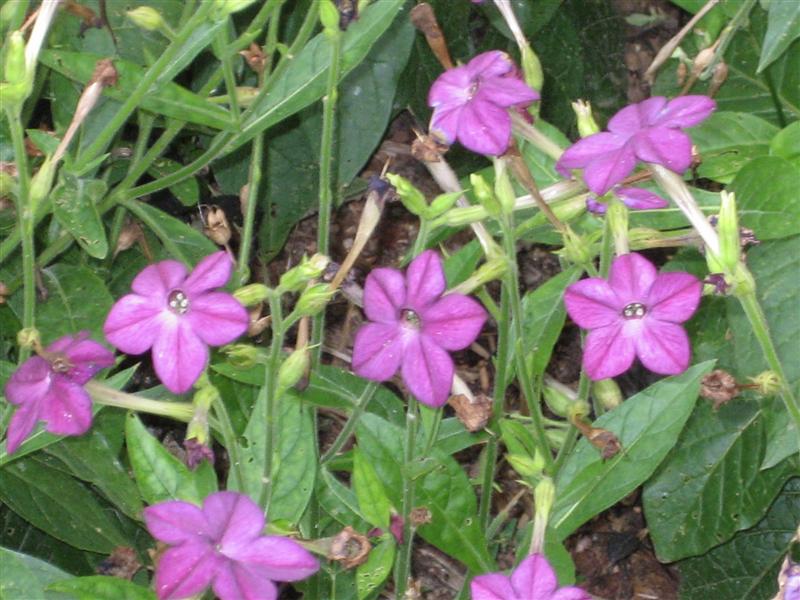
(728, 230)
(41, 184)
(607, 393)
(6, 184)
(216, 226)
(502, 186)
(314, 300)
(531, 67)
(202, 400)
(15, 71)
(243, 356)
(329, 17)
(223, 8)
(577, 250)
(459, 217)
(410, 196)
(767, 383)
(297, 277)
(586, 124)
(493, 269)
(29, 338)
(442, 203)
(702, 60)
(293, 368)
(561, 400)
(543, 496)
(718, 76)
(528, 467)
(147, 17)
(617, 217)
(485, 195)
(252, 294)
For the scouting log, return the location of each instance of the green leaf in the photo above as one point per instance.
(462, 263)
(727, 141)
(23, 577)
(444, 489)
(187, 191)
(75, 207)
(94, 457)
(339, 501)
(60, 505)
(766, 196)
(712, 485)
(166, 98)
(647, 425)
(746, 567)
(543, 166)
(159, 475)
(101, 587)
(372, 499)
(775, 266)
(783, 27)
(371, 575)
(786, 144)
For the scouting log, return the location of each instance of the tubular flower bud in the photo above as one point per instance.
(485, 195)
(147, 18)
(297, 277)
(586, 124)
(252, 294)
(293, 368)
(410, 196)
(314, 299)
(608, 393)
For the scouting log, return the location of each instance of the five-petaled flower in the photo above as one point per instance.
(470, 103)
(533, 579)
(649, 131)
(221, 545)
(178, 317)
(413, 327)
(636, 313)
(633, 198)
(49, 388)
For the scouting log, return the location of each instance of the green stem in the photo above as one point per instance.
(422, 238)
(270, 401)
(433, 432)
(243, 269)
(358, 409)
(572, 432)
(403, 564)
(221, 43)
(231, 443)
(758, 321)
(102, 394)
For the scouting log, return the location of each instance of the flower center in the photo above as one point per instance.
(60, 363)
(634, 310)
(410, 318)
(178, 302)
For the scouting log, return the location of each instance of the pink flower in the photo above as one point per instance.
(221, 545)
(470, 103)
(633, 198)
(649, 131)
(49, 388)
(178, 317)
(414, 327)
(533, 579)
(636, 313)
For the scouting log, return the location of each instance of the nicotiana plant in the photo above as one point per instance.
(193, 407)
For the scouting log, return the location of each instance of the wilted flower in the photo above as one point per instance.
(178, 317)
(413, 328)
(221, 545)
(49, 388)
(470, 103)
(649, 131)
(533, 579)
(636, 313)
(633, 198)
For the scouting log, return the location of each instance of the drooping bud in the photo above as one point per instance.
(485, 195)
(147, 17)
(329, 17)
(308, 269)
(252, 294)
(409, 195)
(607, 393)
(293, 368)
(543, 496)
(586, 124)
(314, 300)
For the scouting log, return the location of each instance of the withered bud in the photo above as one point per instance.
(130, 233)
(681, 72)
(424, 19)
(420, 516)
(257, 323)
(605, 441)
(349, 548)
(718, 76)
(197, 452)
(718, 284)
(720, 387)
(122, 563)
(216, 226)
(255, 58)
(427, 149)
(104, 73)
(473, 414)
(702, 60)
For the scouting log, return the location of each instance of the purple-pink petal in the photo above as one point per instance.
(631, 276)
(210, 273)
(21, 424)
(175, 521)
(663, 347)
(67, 408)
(484, 127)
(639, 199)
(453, 322)
(505, 92)
(674, 297)
(240, 582)
(450, 89)
(87, 358)
(134, 322)
(607, 352)
(665, 146)
(217, 318)
(570, 593)
(427, 371)
(590, 148)
(234, 520)
(30, 381)
(606, 171)
(424, 280)
(159, 279)
(377, 351)
(186, 570)
(492, 586)
(591, 303)
(384, 295)
(686, 111)
(494, 63)
(277, 558)
(634, 117)
(444, 123)
(534, 578)
(179, 355)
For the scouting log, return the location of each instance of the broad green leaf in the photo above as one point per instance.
(453, 437)
(44, 141)
(75, 207)
(372, 500)
(746, 567)
(60, 505)
(444, 489)
(647, 425)
(167, 98)
(543, 166)
(339, 501)
(786, 144)
(159, 475)
(371, 575)
(94, 457)
(783, 28)
(24, 577)
(711, 485)
(776, 268)
(186, 190)
(767, 199)
(727, 141)
(461, 264)
(101, 587)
